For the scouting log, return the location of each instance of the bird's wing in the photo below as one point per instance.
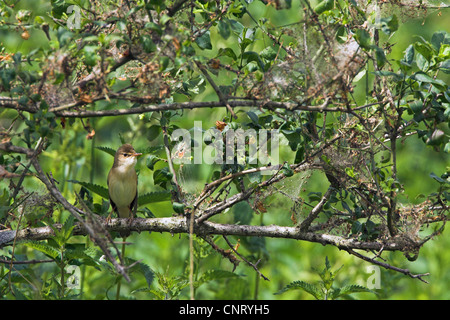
(113, 205)
(134, 203)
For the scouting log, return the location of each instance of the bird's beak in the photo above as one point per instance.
(136, 154)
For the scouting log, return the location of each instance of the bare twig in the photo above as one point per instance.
(25, 261)
(315, 211)
(175, 7)
(222, 98)
(254, 266)
(171, 168)
(388, 266)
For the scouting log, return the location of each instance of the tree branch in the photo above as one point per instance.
(180, 225)
(289, 106)
(315, 211)
(388, 266)
(222, 98)
(254, 266)
(171, 168)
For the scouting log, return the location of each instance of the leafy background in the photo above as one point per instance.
(72, 157)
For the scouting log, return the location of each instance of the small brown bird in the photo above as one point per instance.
(122, 183)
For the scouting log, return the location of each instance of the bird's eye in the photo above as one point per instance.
(125, 154)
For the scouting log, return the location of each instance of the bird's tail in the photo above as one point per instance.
(124, 212)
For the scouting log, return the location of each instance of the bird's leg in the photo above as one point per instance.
(108, 218)
(130, 218)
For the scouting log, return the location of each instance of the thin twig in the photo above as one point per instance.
(175, 7)
(222, 98)
(315, 211)
(171, 167)
(26, 261)
(388, 266)
(254, 266)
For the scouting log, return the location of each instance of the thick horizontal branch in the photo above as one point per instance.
(181, 225)
(9, 147)
(84, 113)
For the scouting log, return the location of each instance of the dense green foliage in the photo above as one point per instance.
(357, 89)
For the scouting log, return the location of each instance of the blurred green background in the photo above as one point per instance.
(73, 157)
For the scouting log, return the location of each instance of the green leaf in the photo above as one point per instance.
(436, 138)
(360, 75)
(341, 34)
(444, 52)
(300, 154)
(301, 285)
(153, 197)
(255, 245)
(46, 249)
(63, 235)
(162, 176)
(44, 131)
(421, 62)
(242, 213)
(446, 149)
(396, 76)
(108, 150)
(59, 7)
(236, 26)
(245, 43)
(147, 44)
(253, 56)
(7, 75)
(142, 269)
(204, 41)
(437, 39)
(423, 77)
(287, 171)
(363, 38)
(408, 58)
(438, 179)
(90, 55)
(253, 117)
(346, 290)
(324, 6)
(227, 52)
(100, 190)
(154, 27)
(327, 263)
(153, 132)
(380, 57)
(224, 29)
(356, 227)
(424, 49)
(4, 203)
(211, 275)
(78, 251)
(268, 53)
(389, 24)
(178, 207)
(151, 161)
(314, 196)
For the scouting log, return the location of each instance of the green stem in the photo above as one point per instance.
(120, 279)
